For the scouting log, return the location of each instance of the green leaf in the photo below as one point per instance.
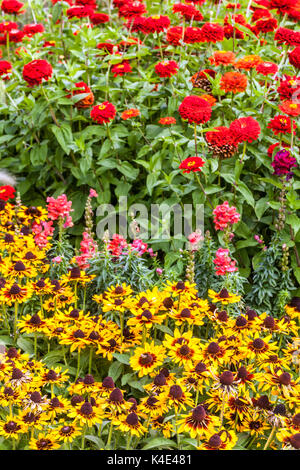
(123, 358)
(294, 222)
(26, 345)
(64, 136)
(115, 370)
(158, 442)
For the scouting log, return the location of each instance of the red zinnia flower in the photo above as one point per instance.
(36, 71)
(287, 36)
(107, 47)
(282, 6)
(99, 18)
(6, 192)
(156, 24)
(174, 35)
(220, 142)
(32, 29)
(193, 35)
(121, 69)
(273, 147)
(265, 25)
(187, 11)
(191, 164)
(222, 58)
(294, 57)
(12, 6)
(281, 124)
(288, 87)
(5, 69)
(267, 68)
(212, 32)
(132, 8)
(195, 110)
(80, 11)
(103, 113)
(166, 68)
(291, 108)
(245, 129)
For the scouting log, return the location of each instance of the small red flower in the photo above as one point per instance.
(12, 6)
(6, 192)
(121, 69)
(294, 57)
(267, 68)
(291, 108)
(103, 113)
(82, 88)
(281, 124)
(36, 71)
(195, 110)
(191, 164)
(166, 68)
(5, 69)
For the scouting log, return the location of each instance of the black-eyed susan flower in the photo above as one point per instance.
(32, 324)
(223, 440)
(161, 423)
(12, 427)
(279, 382)
(223, 296)
(198, 422)
(177, 397)
(86, 414)
(258, 348)
(67, 432)
(44, 442)
(153, 405)
(130, 423)
(148, 358)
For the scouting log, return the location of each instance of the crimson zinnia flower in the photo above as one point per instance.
(195, 109)
(281, 124)
(191, 164)
(11, 6)
(267, 68)
(166, 68)
(174, 35)
(212, 32)
(245, 129)
(290, 107)
(294, 57)
(103, 113)
(99, 18)
(5, 69)
(220, 142)
(121, 69)
(6, 192)
(37, 71)
(32, 29)
(167, 121)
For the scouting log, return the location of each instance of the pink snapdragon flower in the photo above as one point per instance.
(225, 216)
(195, 238)
(42, 231)
(60, 208)
(224, 264)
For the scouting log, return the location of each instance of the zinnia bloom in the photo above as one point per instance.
(12, 6)
(195, 110)
(36, 71)
(166, 68)
(6, 192)
(103, 113)
(281, 124)
(234, 82)
(130, 113)
(245, 129)
(82, 88)
(294, 57)
(283, 163)
(167, 121)
(267, 68)
(222, 58)
(291, 108)
(191, 164)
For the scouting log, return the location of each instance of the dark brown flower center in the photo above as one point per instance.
(295, 440)
(258, 344)
(132, 419)
(269, 322)
(184, 350)
(108, 383)
(241, 321)
(185, 313)
(284, 378)
(224, 294)
(226, 378)
(116, 396)
(51, 375)
(19, 266)
(146, 359)
(176, 392)
(199, 413)
(215, 441)
(213, 348)
(86, 409)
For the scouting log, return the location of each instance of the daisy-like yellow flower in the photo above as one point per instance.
(76, 275)
(185, 354)
(66, 432)
(32, 324)
(130, 424)
(145, 316)
(198, 423)
(44, 442)
(57, 406)
(12, 427)
(146, 359)
(13, 293)
(53, 376)
(255, 424)
(215, 353)
(153, 405)
(274, 325)
(86, 414)
(223, 440)
(290, 440)
(17, 269)
(257, 348)
(177, 397)
(115, 402)
(293, 308)
(279, 381)
(75, 337)
(224, 297)
(181, 288)
(196, 376)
